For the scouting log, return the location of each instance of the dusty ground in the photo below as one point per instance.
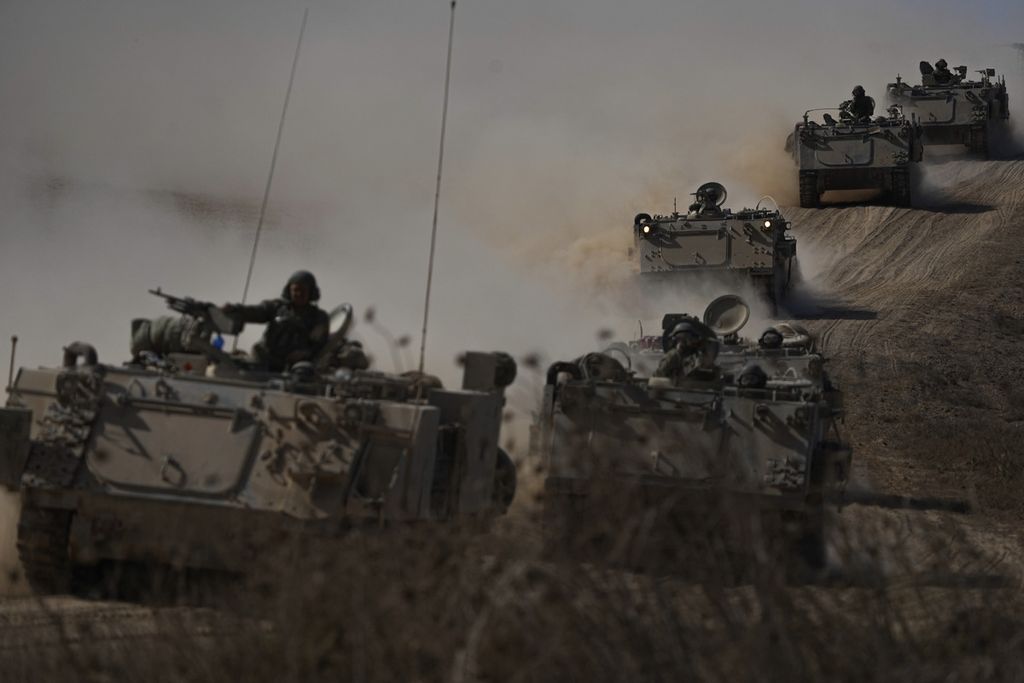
(921, 311)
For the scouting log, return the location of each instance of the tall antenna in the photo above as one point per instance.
(437, 191)
(10, 369)
(273, 161)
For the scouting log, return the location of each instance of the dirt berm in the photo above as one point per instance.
(922, 313)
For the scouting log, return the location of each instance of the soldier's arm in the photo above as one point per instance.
(262, 312)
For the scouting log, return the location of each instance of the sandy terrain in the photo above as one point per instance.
(921, 311)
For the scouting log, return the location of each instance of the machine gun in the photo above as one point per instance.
(218, 320)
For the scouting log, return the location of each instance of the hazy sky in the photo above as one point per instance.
(567, 118)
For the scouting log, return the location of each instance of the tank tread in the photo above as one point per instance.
(978, 143)
(43, 549)
(809, 196)
(901, 187)
(808, 547)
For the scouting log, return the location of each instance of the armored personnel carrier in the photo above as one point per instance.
(751, 243)
(856, 154)
(952, 109)
(191, 458)
(754, 445)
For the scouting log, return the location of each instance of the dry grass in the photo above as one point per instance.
(912, 601)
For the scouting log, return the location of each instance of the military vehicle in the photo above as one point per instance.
(952, 109)
(751, 243)
(191, 458)
(760, 440)
(856, 154)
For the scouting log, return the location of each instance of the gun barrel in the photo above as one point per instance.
(896, 502)
(214, 316)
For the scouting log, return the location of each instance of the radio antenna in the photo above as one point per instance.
(273, 157)
(437, 190)
(10, 369)
(273, 164)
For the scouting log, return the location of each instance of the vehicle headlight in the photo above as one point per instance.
(767, 225)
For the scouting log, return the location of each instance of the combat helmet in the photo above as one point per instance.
(752, 376)
(692, 327)
(303, 277)
(771, 338)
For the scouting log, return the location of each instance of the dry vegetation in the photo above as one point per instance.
(429, 605)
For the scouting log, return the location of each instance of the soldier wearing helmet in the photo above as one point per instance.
(693, 353)
(860, 108)
(771, 339)
(297, 328)
(942, 74)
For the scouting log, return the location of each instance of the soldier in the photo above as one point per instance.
(297, 328)
(693, 353)
(861, 107)
(770, 339)
(942, 74)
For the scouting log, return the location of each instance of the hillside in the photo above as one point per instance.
(921, 311)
